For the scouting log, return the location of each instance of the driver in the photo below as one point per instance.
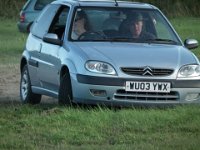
(136, 28)
(133, 27)
(80, 25)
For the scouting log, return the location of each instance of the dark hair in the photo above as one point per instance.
(136, 17)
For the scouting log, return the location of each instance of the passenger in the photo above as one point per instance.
(80, 25)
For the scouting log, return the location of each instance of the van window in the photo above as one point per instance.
(40, 4)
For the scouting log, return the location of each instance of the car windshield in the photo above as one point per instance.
(121, 25)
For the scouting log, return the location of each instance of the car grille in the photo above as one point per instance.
(146, 96)
(147, 71)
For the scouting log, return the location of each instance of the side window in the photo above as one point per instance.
(59, 22)
(42, 23)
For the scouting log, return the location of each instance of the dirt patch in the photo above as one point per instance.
(9, 84)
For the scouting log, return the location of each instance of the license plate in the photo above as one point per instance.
(162, 87)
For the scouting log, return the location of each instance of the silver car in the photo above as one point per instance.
(108, 52)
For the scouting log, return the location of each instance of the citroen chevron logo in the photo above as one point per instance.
(147, 71)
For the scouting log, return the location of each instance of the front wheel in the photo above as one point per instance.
(65, 91)
(26, 94)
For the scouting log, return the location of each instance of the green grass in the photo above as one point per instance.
(52, 127)
(48, 126)
(12, 42)
(188, 28)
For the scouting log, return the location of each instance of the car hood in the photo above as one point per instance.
(138, 54)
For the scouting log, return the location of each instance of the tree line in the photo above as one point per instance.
(171, 8)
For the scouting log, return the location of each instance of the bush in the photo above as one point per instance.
(11, 8)
(171, 8)
(177, 8)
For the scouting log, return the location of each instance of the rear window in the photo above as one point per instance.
(40, 4)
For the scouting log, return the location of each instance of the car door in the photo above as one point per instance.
(34, 42)
(50, 64)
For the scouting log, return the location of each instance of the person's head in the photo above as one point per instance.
(80, 22)
(136, 24)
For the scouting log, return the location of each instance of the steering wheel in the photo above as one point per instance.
(92, 35)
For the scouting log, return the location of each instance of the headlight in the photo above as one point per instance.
(100, 67)
(189, 71)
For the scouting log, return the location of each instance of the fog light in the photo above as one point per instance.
(192, 96)
(100, 93)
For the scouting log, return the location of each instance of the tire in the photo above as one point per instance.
(29, 27)
(65, 91)
(26, 94)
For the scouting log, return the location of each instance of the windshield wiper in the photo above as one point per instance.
(168, 41)
(136, 40)
(121, 39)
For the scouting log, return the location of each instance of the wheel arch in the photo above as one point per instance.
(64, 70)
(23, 63)
(28, 29)
(67, 67)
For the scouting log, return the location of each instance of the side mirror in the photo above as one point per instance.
(52, 39)
(191, 43)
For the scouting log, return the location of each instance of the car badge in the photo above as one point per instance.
(147, 71)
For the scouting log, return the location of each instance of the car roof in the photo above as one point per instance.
(106, 3)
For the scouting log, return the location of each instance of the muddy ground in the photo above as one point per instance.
(9, 85)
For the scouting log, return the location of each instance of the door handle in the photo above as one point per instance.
(40, 47)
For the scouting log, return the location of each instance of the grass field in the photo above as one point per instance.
(53, 127)
(49, 126)
(188, 28)
(11, 42)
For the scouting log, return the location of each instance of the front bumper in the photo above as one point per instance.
(116, 95)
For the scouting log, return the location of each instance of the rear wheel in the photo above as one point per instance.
(26, 94)
(65, 91)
